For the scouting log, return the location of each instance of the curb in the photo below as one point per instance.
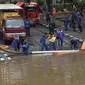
(9, 51)
(13, 52)
(40, 53)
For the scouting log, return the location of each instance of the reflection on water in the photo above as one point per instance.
(44, 70)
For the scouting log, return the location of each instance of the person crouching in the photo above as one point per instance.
(25, 48)
(74, 43)
(16, 44)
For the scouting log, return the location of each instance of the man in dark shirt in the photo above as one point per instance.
(51, 27)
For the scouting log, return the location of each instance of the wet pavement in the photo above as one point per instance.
(44, 70)
(34, 40)
(59, 22)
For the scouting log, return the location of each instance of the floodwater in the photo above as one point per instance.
(44, 70)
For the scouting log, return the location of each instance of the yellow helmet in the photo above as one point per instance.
(48, 35)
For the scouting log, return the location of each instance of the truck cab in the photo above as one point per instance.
(13, 26)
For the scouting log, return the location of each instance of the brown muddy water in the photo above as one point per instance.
(44, 70)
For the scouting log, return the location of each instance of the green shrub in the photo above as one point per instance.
(40, 2)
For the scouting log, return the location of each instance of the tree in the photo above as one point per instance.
(48, 4)
(28, 1)
(14, 2)
(83, 1)
(40, 2)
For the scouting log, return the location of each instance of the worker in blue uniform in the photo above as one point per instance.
(79, 21)
(74, 43)
(60, 37)
(43, 42)
(25, 48)
(66, 21)
(27, 26)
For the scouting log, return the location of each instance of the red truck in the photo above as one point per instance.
(13, 27)
(31, 11)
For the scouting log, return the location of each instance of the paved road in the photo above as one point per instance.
(58, 22)
(37, 32)
(4, 56)
(34, 42)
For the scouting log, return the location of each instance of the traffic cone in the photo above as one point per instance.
(83, 46)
